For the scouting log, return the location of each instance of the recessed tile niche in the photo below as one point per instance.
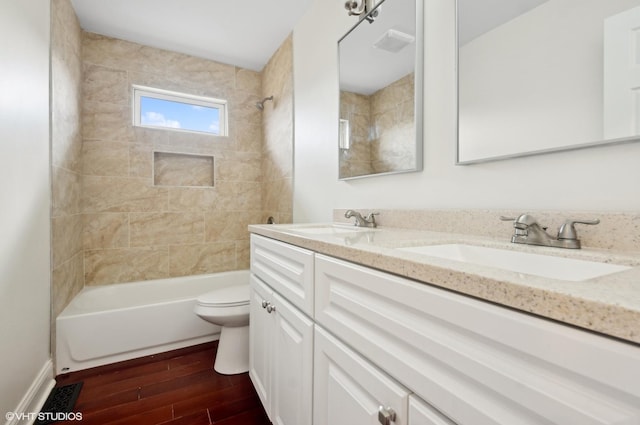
(176, 169)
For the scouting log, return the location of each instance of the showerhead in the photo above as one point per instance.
(260, 105)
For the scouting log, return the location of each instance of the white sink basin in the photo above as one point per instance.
(520, 262)
(332, 230)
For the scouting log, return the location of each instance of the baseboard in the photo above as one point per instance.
(36, 395)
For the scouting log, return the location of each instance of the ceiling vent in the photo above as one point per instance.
(393, 41)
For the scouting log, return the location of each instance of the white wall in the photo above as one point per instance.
(24, 197)
(598, 179)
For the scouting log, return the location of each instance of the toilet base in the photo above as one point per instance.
(233, 351)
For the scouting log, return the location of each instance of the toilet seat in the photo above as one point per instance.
(229, 296)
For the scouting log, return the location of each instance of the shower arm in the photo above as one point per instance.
(260, 104)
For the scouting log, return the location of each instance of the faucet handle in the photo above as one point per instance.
(370, 216)
(522, 222)
(568, 230)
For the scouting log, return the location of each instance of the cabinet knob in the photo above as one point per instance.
(386, 415)
(264, 303)
(271, 308)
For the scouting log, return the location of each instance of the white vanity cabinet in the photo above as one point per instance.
(347, 344)
(420, 413)
(349, 390)
(281, 335)
(477, 363)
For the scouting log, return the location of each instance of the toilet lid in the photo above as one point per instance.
(228, 296)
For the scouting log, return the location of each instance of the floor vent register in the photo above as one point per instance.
(59, 404)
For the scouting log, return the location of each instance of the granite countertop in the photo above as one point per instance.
(608, 305)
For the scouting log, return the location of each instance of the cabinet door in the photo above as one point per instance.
(292, 361)
(420, 413)
(260, 339)
(349, 390)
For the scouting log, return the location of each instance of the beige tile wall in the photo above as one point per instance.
(356, 161)
(392, 115)
(66, 157)
(381, 129)
(277, 121)
(135, 230)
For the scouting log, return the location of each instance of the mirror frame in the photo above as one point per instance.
(418, 101)
(578, 146)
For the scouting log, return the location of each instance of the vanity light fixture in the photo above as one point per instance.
(363, 9)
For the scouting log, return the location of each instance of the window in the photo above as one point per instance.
(157, 108)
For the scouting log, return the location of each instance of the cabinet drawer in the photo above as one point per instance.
(420, 413)
(475, 362)
(349, 390)
(286, 268)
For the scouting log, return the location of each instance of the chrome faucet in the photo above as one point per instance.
(368, 221)
(528, 231)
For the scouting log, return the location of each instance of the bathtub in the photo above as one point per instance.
(107, 324)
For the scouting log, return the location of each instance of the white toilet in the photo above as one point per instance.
(228, 307)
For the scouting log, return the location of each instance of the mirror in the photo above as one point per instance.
(380, 62)
(538, 76)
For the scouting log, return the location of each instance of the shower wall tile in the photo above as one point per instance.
(66, 238)
(102, 84)
(243, 252)
(277, 128)
(239, 167)
(192, 198)
(141, 160)
(105, 230)
(66, 138)
(107, 121)
(137, 230)
(65, 192)
(66, 158)
(279, 196)
(107, 266)
(381, 129)
(249, 81)
(202, 258)
(242, 106)
(392, 116)
(229, 226)
(67, 280)
(357, 160)
(154, 229)
(235, 196)
(190, 71)
(395, 93)
(196, 143)
(103, 158)
(66, 97)
(121, 54)
(121, 194)
(249, 139)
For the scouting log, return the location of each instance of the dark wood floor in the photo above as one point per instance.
(174, 388)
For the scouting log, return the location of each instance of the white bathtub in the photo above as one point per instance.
(107, 324)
